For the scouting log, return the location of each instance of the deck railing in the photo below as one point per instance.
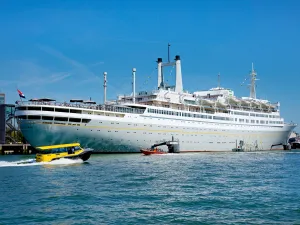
(125, 109)
(110, 108)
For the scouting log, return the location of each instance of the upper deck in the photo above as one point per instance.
(218, 103)
(82, 113)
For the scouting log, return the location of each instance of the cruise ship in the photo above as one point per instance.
(211, 120)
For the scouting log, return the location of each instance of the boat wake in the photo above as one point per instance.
(32, 162)
(169, 154)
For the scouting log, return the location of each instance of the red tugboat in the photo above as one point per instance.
(152, 151)
(173, 147)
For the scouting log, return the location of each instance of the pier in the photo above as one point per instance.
(16, 149)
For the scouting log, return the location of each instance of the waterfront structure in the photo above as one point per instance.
(211, 120)
(9, 131)
(2, 124)
(2, 118)
(2, 98)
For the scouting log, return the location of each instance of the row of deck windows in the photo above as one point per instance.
(51, 118)
(260, 121)
(174, 113)
(241, 113)
(255, 115)
(67, 110)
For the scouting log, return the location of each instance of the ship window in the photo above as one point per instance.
(21, 108)
(86, 120)
(44, 151)
(75, 120)
(75, 111)
(77, 148)
(220, 118)
(47, 118)
(34, 108)
(61, 110)
(22, 117)
(48, 109)
(32, 117)
(61, 118)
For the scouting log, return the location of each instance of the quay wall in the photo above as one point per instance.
(16, 149)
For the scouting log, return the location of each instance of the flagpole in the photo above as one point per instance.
(20, 96)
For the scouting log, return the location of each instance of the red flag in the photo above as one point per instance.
(21, 94)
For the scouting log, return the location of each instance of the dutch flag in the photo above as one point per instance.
(21, 94)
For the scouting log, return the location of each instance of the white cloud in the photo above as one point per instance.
(22, 73)
(59, 76)
(96, 64)
(77, 67)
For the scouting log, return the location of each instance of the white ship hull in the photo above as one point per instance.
(116, 135)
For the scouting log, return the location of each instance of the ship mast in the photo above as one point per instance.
(169, 52)
(133, 84)
(252, 85)
(104, 85)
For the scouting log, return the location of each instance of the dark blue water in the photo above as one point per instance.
(205, 188)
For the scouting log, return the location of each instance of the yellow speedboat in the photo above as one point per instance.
(67, 151)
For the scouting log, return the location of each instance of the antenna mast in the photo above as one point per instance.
(252, 85)
(219, 80)
(133, 84)
(169, 52)
(104, 85)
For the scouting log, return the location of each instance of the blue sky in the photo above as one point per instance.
(60, 49)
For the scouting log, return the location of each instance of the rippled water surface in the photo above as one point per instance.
(200, 188)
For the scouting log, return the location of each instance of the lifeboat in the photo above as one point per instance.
(207, 102)
(233, 100)
(245, 102)
(67, 151)
(221, 104)
(155, 151)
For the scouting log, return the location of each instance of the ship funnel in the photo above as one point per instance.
(178, 85)
(159, 72)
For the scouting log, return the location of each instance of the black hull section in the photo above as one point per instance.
(83, 156)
